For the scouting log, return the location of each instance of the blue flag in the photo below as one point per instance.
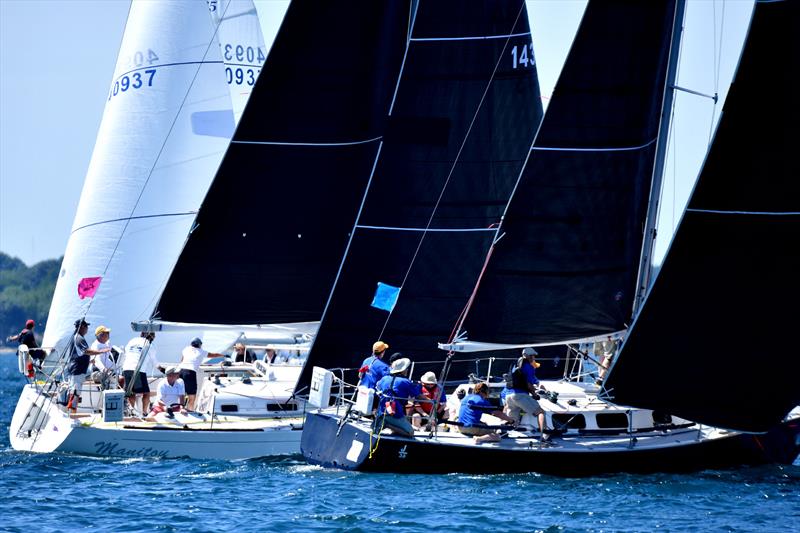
(385, 297)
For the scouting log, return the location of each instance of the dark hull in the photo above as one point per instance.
(321, 445)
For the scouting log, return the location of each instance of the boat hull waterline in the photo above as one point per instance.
(40, 426)
(324, 443)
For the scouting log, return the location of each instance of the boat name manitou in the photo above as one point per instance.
(110, 448)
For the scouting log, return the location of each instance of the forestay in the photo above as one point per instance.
(713, 340)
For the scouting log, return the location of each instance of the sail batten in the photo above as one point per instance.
(710, 335)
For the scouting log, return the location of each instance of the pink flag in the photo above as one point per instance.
(87, 287)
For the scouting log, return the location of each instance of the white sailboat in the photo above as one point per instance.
(169, 118)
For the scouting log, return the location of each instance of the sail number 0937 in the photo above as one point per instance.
(522, 56)
(135, 80)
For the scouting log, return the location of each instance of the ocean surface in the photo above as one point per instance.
(67, 493)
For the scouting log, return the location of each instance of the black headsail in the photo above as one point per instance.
(566, 265)
(275, 223)
(714, 340)
(465, 113)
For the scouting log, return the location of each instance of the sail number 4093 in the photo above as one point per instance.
(522, 56)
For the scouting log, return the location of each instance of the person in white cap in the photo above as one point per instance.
(395, 391)
(434, 394)
(171, 393)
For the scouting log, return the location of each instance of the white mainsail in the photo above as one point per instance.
(166, 125)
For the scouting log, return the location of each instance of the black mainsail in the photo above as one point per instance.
(566, 265)
(465, 113)
(272, 230)
(711, 338)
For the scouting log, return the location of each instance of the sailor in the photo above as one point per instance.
(27, 338)
(395, 391)
(242, 355)
(270, 356)
(523, 384)
(171, 393)
(473, 406)
(434, 394)
(78, 363)
(191, 359)
(374, 368)
(605, 350)
(103, 362)
(130, 364)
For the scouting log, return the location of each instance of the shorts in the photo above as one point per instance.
(475, 431)
(140, 386)
(518, 401)
(76, 382)
(189, 378)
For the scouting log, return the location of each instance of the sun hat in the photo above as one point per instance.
(400, 366)
(101, 329)
(197, 342)
(429, 378)
(529, 351)
(171, 370)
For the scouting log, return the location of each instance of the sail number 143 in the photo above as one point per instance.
(522, 56)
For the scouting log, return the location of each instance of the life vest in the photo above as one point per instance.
(432, 395)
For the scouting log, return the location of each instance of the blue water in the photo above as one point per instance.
(60, 492)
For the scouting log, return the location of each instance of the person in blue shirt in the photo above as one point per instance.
(374, 367)
(523, 384)
(395, 391)
(472, 409)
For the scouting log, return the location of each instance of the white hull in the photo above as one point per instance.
(38, 425)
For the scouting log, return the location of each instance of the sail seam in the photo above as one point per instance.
(470, 38)
(159, 65)
(132, 218)
(725, 212)
(280, 143)
(622, 149)
(396, 228)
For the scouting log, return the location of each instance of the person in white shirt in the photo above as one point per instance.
(103, 363)
(191, 359)
(134, 350)
(171, 393)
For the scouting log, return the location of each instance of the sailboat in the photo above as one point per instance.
(568, 262)
(182, 79)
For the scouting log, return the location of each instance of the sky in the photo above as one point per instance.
(57, 58)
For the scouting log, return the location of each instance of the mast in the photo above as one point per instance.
(646, 263)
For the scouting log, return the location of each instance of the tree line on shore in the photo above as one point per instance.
(25, 292)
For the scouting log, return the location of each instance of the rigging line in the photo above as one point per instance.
(278, 143)
(160, 150)
(758, 213)
(456, 159)
(622, 149)
(717, 68)
(141, 217)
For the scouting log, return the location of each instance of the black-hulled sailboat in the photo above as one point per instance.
(570, 257)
